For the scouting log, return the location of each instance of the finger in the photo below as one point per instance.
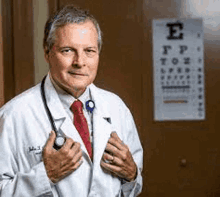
(115, 135)
(68, 144)
(112, 150)
(69, 163)
(78, 157)
(112, 160)
(76, 146)
(105, 169)
(51, 139)
(112, 168)
(67, 171)
(115, 142)
(76, 161)
(107, 158)
(76, 149)
(77, 165)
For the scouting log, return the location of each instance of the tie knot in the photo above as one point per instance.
(77, 107)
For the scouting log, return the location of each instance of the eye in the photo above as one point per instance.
(90, 51)
(66, 50)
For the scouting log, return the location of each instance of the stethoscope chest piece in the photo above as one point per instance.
(90, 105)
(60, 140)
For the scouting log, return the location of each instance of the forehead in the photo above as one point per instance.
(84, 32)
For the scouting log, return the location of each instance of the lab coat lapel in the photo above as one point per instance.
(102, 128)
(69, 129)
(102, 131)
(54, 102)
(61, 118)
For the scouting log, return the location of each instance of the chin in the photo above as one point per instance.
(77, 88)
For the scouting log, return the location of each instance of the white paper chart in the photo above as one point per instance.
(178, 62)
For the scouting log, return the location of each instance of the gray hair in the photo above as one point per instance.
(67, 15)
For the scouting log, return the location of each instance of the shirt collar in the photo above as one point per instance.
(67, 99)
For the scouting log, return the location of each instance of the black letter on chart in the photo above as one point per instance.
(183, 48)
(165, 49)
(173, 31)
(175, 61)
(163, 61)
(186, 60)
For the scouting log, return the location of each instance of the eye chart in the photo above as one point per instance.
(178, 69)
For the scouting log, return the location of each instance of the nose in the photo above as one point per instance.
(79, 59)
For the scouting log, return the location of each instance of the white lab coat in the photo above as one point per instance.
(24, 130)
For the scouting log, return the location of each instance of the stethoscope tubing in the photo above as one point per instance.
(46, 107)
(60, 137)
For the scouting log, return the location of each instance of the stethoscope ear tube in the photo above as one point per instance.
(60, 139)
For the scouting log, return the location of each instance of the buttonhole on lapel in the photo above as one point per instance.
(108, 119)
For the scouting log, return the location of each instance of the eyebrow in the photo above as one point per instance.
(92, 47)
(71, 47)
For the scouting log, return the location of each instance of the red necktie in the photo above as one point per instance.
(81, 125)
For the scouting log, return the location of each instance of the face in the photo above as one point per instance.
(74, 57)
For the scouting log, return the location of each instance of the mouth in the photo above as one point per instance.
(76, 74)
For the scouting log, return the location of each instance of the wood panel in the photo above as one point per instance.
(23, 45)
(8, 52)
(53, 6)
(170, 142)
(121, 57)
(120, 68)
(18, 56)
(1, 61)
(126, 69)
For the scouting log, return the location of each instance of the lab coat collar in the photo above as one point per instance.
(61, 119)
(101, 127)
(100, 103)
(53, 101)
(57, 107)
(68, 99)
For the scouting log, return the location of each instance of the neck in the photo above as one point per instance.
(76, 93)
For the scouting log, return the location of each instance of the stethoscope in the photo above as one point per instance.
(60, 136)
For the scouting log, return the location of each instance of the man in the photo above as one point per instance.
(101, 155)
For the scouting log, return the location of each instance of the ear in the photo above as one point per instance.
(46, 54)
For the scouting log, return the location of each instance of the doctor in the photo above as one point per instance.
(102, 154)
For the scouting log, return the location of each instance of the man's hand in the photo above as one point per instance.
(61, 163)
(119, 159)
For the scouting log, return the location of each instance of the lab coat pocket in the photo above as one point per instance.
(33, 154)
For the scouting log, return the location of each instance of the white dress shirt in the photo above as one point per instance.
(67, 100)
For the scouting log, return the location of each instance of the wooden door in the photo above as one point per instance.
(18, 54)
(1, 62)
(120, 67)
(181, 158)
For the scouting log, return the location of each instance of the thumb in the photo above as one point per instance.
(51, 139)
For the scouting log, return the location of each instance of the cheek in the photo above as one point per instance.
(60, 64)
(93, 73)
(94, 69)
